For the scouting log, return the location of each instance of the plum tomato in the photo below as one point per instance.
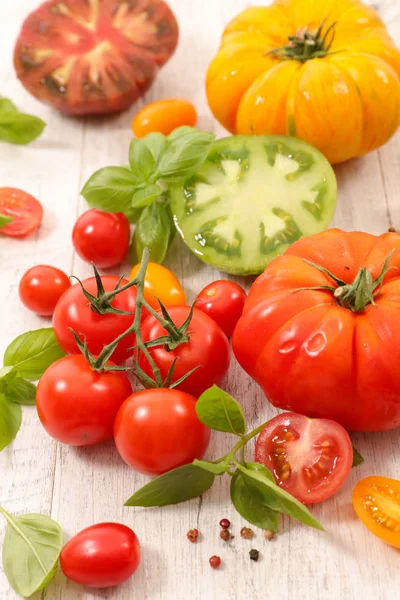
(24, 210)
(102, 555)
(309, 458)
(223, 301)
(102, 238)
(41, 287)
(161, 283)
(158, 430)
(164, 116)
(77, 405)
(94, 57)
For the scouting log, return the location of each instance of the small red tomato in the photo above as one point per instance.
(164, 116)
(223, 301)
(158, 430)
(102, 555)
(24, 210)
(102, 238)
(41, 288)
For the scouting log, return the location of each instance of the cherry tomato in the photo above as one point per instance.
(158, 430)
(223, 301)
(101, 556)
(77, 405)
(164, 116)
(376, 501)
(73, 312)
(41, 288)
(208, 349)
(161, 283)
(26, 212)
(309, 458)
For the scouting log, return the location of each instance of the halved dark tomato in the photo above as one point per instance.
(23, 209)
(309, 458)
(94, 56)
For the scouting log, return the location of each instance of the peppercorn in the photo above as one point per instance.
(254, 554)
(269, 534)
(224, 523)
(225, 535)
(215, 561)
(193, 535)
(247, 533)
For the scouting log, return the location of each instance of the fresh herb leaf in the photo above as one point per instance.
(31, 549)
(186, 150)
(250, 507)
(218, 410)
(146, 195)
(7, 106)
(31, 353)
(111, 189)
(19, 390)
(216, 469)
(357, 458)
(256, 466)
(153, 230)
(19, 128)
(10, 421)
(141, 160)
(156, 143)
(5, 220)
(178, 485)
(5, 371)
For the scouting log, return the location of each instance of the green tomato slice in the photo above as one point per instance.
(252, 198)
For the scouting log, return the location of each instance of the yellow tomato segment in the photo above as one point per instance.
(161, 284)
(164, 116)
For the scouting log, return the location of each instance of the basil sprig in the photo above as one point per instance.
(17, 127)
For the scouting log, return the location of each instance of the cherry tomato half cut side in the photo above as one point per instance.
(24, 210)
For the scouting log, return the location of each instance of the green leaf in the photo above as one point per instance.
(276, 498)
(7, 106)
(32, 353)
(19, 128)
(31, 549)
(178, 485)
(186, 150)
(141, 160)
(19, 390)
(256, 466)
(111, 189)
(250, 507)
(153, 230)
(357, 458)
(156, 143)
(216, 469)
(4, 371)
(145, 196)
(218, 410)
(5, 220)
(10, 421)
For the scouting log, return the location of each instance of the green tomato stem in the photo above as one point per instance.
(230, 456)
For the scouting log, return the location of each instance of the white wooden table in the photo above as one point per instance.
(78, 487)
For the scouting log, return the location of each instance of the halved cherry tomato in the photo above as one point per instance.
(41, 287)
(309, 458)
(223, 301)
(164, 116)
(161, 283)
(26, 212)
(376, 501)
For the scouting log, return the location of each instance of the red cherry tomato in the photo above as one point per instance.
(24, 210)
(102, 555)
(158, 430)
(309, 458)
(41, 288)
(223, 301)
(102, 238)
(208, 349)
(77, 405)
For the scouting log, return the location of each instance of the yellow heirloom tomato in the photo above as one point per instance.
(324, 71)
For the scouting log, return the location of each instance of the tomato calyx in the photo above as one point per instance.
(306, 44)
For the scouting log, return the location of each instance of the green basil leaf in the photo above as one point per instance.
(250, 507)
(276, 498)
(19, 390)
(32, 353)
(31, 549)
(185, 152)
(218, 410)
(111, 189)
(7, 106)
(141, 160)
(145, 196)
(153, 230)
(19, 128)
(10, 421)
(178, 485)
(5, 220)
(156, 143)
(357, 458)
(216, 469)
(5, 371)
(256, 466)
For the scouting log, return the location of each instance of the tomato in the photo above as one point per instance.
(41, 288)
(161, 283)
(309, 458)
(223, 301)
(208, 349)
(102, 555)
(26, 212)
(94, 57)
(320, 347)
(76, 405)
(102, 238)
(158, 430)
(73, 312)
(376, 501)
(164, 116)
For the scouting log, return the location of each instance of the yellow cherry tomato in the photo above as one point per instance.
(164, 116)
(161, 283)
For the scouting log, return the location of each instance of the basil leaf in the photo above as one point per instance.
(5, 220)
(7, 106)
(256, 466)
(357, 458)
(276, 498)
(156, 143)
(10, 421)
(4, 371)
(111, 189)
(250, 507)
(178, 485)
(19, 390)
(216, 469)
(31, 548)
(218, 410)
(185, 152)
(144, 196)
(153, 230)
(32, 353)
(19, 128)
(141, 160)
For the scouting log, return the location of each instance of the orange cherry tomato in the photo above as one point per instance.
(376, 501)
(164, 116)
(161, 283)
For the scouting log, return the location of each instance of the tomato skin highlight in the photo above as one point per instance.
(223, 301)
(164, 116)
(309, 458)
(158, 430)
(41, 287)
(102, 555)
(161, 283)
(25, 210)
(102, 238)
